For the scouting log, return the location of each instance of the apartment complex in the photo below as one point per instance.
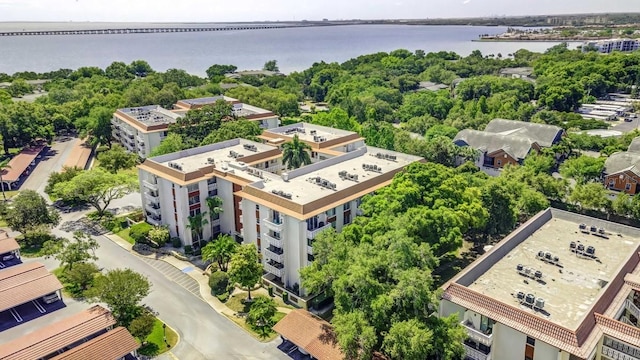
(561, 287)
(141, 129)
(609, 46)
(279, 211)
(622, 169)
(507, 142)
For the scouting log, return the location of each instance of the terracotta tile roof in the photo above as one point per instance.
(8, 244)
(310, 333)
(19, 163)
(23, 283)
(80, 155)
(112, 345)
(56, 336)
(619, 330)
(532, 325)
(632, 280)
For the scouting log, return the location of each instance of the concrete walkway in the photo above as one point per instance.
(189, 269)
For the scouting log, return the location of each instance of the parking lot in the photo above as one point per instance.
(292, 351)
(27, 312)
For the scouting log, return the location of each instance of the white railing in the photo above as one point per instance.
(309, 250)
(149, 185)
(273, 169)
(153, 210)
(474, 354)
(477, 335)
(272, 241)
(311, 234)
(153, 221)
(273, 224)
(615, 354)
(153, 198)
(213, 186)
(633, 309)
(273, 270)
(140, 139)
(273, 256)
(626, 320)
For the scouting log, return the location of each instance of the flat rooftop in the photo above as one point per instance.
(569, 289)
(239, 108)
(309, 132)
(151, 115)
(305, 184)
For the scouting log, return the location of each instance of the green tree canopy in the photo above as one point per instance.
(220, 251)
(295, 153)
(245, 267)
(29, 210)
(122, 290)
(116, 159)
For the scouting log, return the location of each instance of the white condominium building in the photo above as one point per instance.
(281, 211)
(141, 129)
(561, 287)
(609, 46)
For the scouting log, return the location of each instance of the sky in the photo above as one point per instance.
(273, 10)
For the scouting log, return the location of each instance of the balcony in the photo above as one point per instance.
(274, 253)
(153, 197)
(272, 241)
(153, 208)
(616, 354)
(633, 309)
(477, 335)
(273, 224)
(149, 185)
(277, 270)
(474, 354)
(156, 221)
(213, 186)
(309, 250)
(311, 234)
(140, 139)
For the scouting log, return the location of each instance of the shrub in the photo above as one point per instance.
(176, 242)
(139, 232)
(159, 235)
(223, 297)
(142, 326)
(218, 282)
(188, 249)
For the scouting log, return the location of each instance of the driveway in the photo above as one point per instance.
(50, 162)
(625, 126)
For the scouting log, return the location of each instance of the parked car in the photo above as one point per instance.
(628, 119)
(50, 298)
(7, 257)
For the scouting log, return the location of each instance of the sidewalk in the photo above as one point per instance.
(202, 279)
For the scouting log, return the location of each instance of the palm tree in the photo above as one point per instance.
(296, 153)
(196, 223)
(215, 208)
(3, 166)
(220, 251)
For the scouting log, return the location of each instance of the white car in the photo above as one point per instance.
(8, 257)
(50, 298)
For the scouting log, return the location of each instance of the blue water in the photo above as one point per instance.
(294, 48)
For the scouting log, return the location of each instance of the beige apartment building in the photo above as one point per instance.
(560, 287)
(141, 129)
(280, 211)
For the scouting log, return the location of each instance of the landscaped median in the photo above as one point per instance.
(162, 339)
(260, 329)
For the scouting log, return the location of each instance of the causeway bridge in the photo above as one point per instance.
(152, 30)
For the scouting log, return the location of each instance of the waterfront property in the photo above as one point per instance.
(622, 169)
(279, 211)
(507, 142)
(89, 334)
(562, 286)
(611, 45)
(141, 129)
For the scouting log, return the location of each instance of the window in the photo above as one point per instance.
(212, 181)
(213, 193)
(347, 218)
(194, 212)
(331, 212)
(627, 186)
(192, 187)
(531, 341)
(309, 242)
(347, 206)
(499, 162)
(194, 199)
(216, 229)
(257, 207)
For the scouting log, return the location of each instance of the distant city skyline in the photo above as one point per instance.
(287, 10)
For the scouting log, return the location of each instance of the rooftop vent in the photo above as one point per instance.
(211, 160)
(175, 166)
(250, 147)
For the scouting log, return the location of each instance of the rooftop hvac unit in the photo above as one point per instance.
(312, 132)
(519, 267)
(274, 192)
(572, 245)
(520, 295)
(593, 228)
(540, 255)
(538, 274)
(556, 259)
(591, 250)
(530, 299)
(580, 247)
(211, 160)
(332, 185)
(547, 256)
(539, 303)
(582, 226)
(601, 231)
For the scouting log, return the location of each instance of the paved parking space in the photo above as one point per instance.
(26, 312)
(292, 351)
(176, 275)
(11, 262)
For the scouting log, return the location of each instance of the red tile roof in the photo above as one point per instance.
(22, 283)
(57, 336)
(8, 244)
(310, 333)
(19, 163)
(79, 156)
(632, 280)
(619, 330)
(112, 345)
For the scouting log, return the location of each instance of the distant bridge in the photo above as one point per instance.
(153, 30)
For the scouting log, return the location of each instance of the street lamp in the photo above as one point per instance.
(164, 333)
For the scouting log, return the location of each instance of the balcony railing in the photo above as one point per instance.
(154, 198)
(273, 270)
(212, 186)
(616, 354)
(149, 185)
(140, 139)
(633, 309)
(271, 253)
(154, 221)
(309, 250)
(272, 241)
(273, 224)
(477, 335)
(311, 234)
(473, 354)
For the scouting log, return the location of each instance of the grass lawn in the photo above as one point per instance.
(124, 234)
(236, 303)
(30, 252)
(155, 342)
(261, 337)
